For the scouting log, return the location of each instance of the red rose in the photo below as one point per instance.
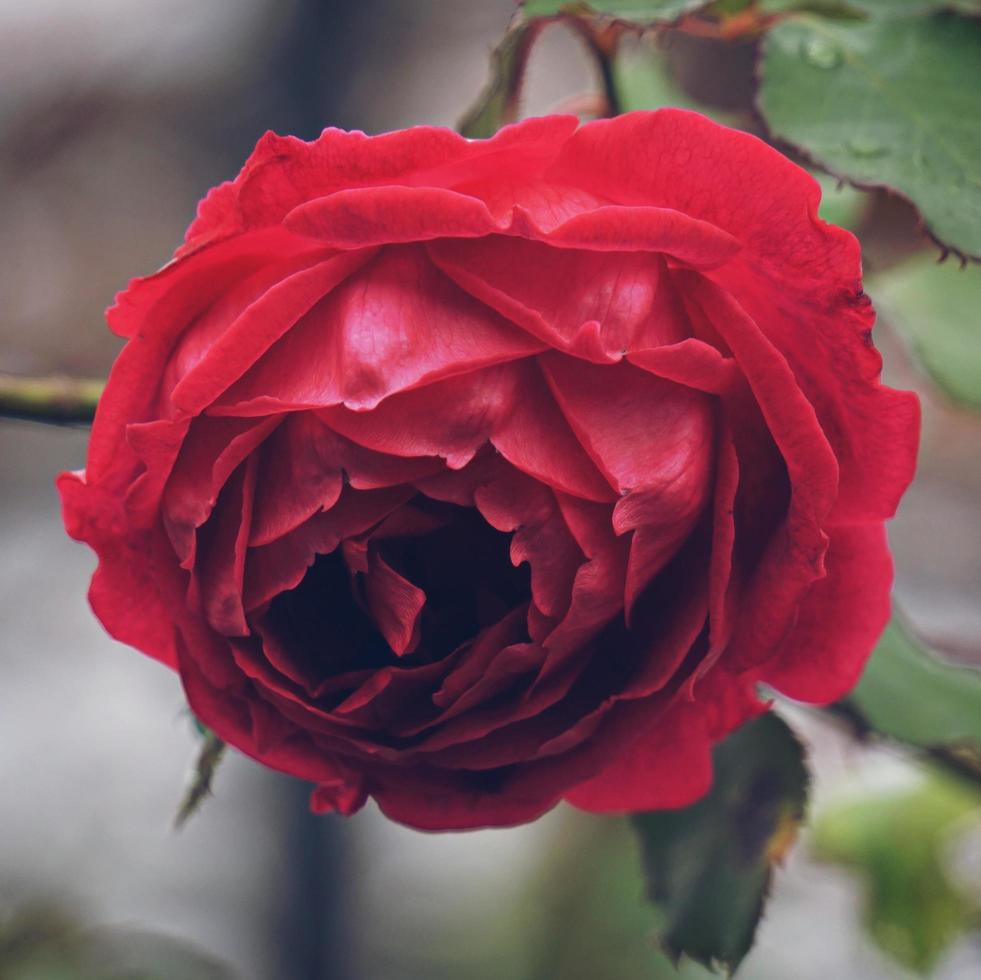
(476, 475)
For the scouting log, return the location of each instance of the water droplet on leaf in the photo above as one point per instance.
(821, 53)
(865, 146)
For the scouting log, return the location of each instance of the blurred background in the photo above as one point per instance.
(115, 117)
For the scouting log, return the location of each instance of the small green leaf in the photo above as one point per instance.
(910, 694)
(935, 309)
(886, 102)
(841, 204)
(709, 865)
(899, 842)
(636, 11)
(209, 755)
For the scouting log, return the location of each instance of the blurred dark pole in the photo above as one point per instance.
(304, 89)
(304, 80)
(316, 921)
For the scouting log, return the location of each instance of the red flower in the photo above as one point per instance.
(472, 476)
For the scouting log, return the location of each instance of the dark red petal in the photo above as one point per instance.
(516, 503)
(434, 799)
(395, 604)
(233, 719)
(281, 565)
(219, 572)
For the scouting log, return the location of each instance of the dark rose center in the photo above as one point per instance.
(330, 622)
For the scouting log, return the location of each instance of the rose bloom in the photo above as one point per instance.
(476, 475)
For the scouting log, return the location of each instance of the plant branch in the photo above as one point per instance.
(56, 399)
(958, 760)
(601, 42)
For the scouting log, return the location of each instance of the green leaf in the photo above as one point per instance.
(583, 912)
(909, 693)
(888, 102)
(709, 865)
(897, 8)
(935, 308)
(898, 841)
(851, 9)
(637, 11)
(44, 941)
(209, 756)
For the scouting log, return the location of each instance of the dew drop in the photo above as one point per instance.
(821, 53)
(865, 146)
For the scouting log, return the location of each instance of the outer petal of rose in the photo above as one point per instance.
(839, 621)
(137, 585)
(233, 719)
(794, 557)
(570, 289)
(794, 269)
(284, 171)
(433, 799)
(873, 429)
(667, 767)
(160, 308)
(396, 324)
(283, 275)
(681, 160)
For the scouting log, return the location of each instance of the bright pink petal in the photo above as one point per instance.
(396, 324)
